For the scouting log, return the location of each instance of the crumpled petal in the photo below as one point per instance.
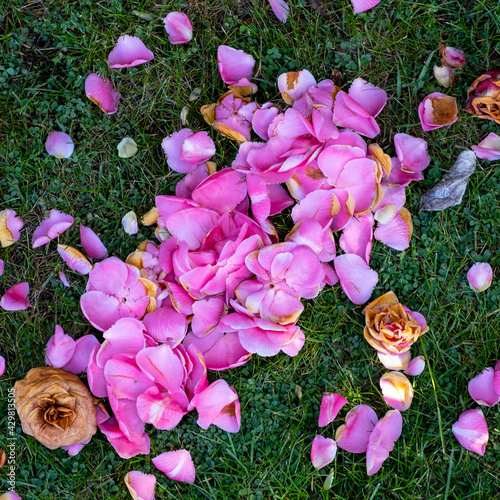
(197, 148)
(331, 404)
(295, 84)
(141, 486)
(488, 148)
(397, 232)
(81, 355)
(60, 349)
(91, 243)
(480, 276)
(234, 64)
(396, 390)
(323, 451)
(101, 92)
(59, 144)
(178, 27)
(51, 228)
(445, 76)
(129, 51)
(16, 298)
(177, 465)
(471, 431)
(482, 389)
(451, 57)
(437, 110)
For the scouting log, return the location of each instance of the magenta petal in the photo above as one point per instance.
(323, 451)
(411, 152)
(353, 436)
(488, 148)
(60, 349)
(2, 365)
(166, 325)
(349, 114)
(51, 228)
(178, 27)
(363, 5)
(81, 356)
(206, 315)
(129, 51)
(416, 366)
(357, 236)
(59, 144)
(91, 243)
(480, 276)
(197, 148)
(356, 278)
(372, 98)
(16, 298)
(100, 309)
(177, 465)
(382, 439)
(280, 9)
(331, 404)
(125, 447)
(158, 408)
(74, 449)
(471, 431)
(75, 260)
(234, 64)
(141, 486)
(1, 266)
(496, 378)
(172, 147)
(101, 92)
(119, 374)
(482, 389)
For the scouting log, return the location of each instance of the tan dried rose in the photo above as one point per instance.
(55, 407)
(391, 327)
(483, 97)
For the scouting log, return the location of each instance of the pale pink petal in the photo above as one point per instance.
(437, 110)
(234, 64)
(101, 92)
(158, 408)
(1, 266)
(353, 436)
(356, 278)
(280, 9)
(16, 298)
(324, 128)
(372, 98)
(480, 276)
(95, 376)
(482, 389)
(357, 236)
(141, 486)
(471, 431)
(119, 374)
(319, 205)
(172, 147)
(332, 160)
(84, 347)
(197, 148)
(259, 196)
(396, 390)
(51, 228)
(295, 84)
(75, 260)
(416, 366)
(2, 365)
(397, 232)
(129, 51)
(349, 114)
(166, 325)
(411, 152)
(382, 439)
(129, 222)
(453, 58)
(10, 495)
(395, 361)
(177, 465)
(91, 243)
(59, 144)
(445, 76)
(323, 451)
(178, 27)
(363, 5)
(331, 404)
(488, 148)
(60, 349)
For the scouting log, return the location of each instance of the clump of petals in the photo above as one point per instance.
(51, 228)
(16, 298)
(451, 57)
(10, 227)
(445, 76)
(437, 110)
(480, 276)
(178, 27)
(91, 243)
(396, 390)
(177, 465)
(75, 259)
(234, 64)
(353, 436)
(482, 388)
(331, 404)
(129, 51)
(59, 144)
(129, 222)
(101, 92)
(280, 9)
(416, 366)
(323, 451)
(141, 486)
(471, 431)
(488, 148)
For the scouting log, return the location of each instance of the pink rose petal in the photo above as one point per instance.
(482, 388)
(471, 431)
(51, 228)
(445, 76)
(323, 451)
(64, 280)
(363, 5)
(356, 278)
(234, 64)
(280, 9)
(396, 390)
(59, 144)
(60, 349)
(395, 361)
(177, 465)
(331, 404)
(75, 260)
(101, 92)
(129, 51)
(452, 58)
(488, 148)
(480, 276)
(16, 298)
(10, 227)
(416, 366)
(197, 148)
(353, 436)
(295, 84)
(2, 365)
(91, 243)
(178, 27)
(1, 266)
(437, 110)
(81, 355)
(141, 486)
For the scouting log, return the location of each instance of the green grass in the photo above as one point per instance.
(48, 49)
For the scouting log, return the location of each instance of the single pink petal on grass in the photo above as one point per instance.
(16, 298)
(295, 84)
(323, 451)
(488, 148)
(10, 495)
(471, 431)
(74, 449)
(356, 278)
(129, 51)
(177, 465)
(141, 486)
(482, 388)
(395, 361)
(363, 5)
(10, 227)
(101, 92)
(354, 434)
(51, 228)
(396, 390)
(75, 259)
(64, 280)
(59, 144)
(60, 349)
(480, 276)
(451, 57)
(2, 365)
(445, 76)
(81, 356)
(280, 9)
(197, 148)
(382, 439)
(437, 110)
(234, 64)
(416, 366)
(130, 224)
(397, 232)
(178, 27)
(91, 243)
(331, 404)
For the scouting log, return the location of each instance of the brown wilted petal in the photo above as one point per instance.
(483, 97)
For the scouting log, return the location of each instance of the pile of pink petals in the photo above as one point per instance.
(362, 432)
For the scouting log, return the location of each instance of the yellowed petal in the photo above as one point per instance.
(150, 218)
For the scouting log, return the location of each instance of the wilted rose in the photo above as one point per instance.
(484, 97)
(55, 407)
(392, 328)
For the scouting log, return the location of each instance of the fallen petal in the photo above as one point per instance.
(331, 404)
(353, 436)
(129, 222)
(2, 365)
(356, 278)
(101, 92)
(416, 366)
(234, 64)
(177, 465)
(92, 244)
(395, 361)
(437, 110)
(280, 9)
(10, 227)
(471, 431)
(127, 147)
(323, 451)
(141, 486)
(480, 276)
(397, 232)
(59, 144)
(129, 51)
(396, 390)
(16, 298)
(60, 349)
(488, 148)
(451, 57)
(75, 259)
(445, 76)
(363, 5)
(51, 228)
(482, 389)
(178, 27)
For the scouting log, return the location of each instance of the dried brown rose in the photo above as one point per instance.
(55, 407)
(483, 97)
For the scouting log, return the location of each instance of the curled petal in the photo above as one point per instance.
(295, 84)
(348, 113)
(166, 325)
(373, 99)
(178, 27)
(482, 388)
(496, 378)
(101, 92)
(75, 259)
(471, 431)
(411, 152)
(323, 451)
(10, 227)
(16, 298)
(280, 9)
(488, 148)
(437, 110)
(331, 404)
(51, 228)
(356, 278)
(397, 390)
(177, 465)
(416, 366)
(141, 486)
(451, 57)
(234, 64)
(353, 436)
(397, 232)
(129, 51)
(393, 361)
(129, 222)
(59, 144)
(480, 276)
(81, 355)
(60, 349)
(91, 243)
(445, 76)
(197, 148)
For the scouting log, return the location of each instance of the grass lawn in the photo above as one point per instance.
(47, 51)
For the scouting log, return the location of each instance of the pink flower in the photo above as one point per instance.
(437, 110)
(480, 276)
(488, 148)
(178, 27)
(129, 51)
(101, 92)
(59, 144)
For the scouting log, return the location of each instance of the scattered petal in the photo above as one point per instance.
(393, 361)
(91, 243)
(331, 404)
(177, 465)
(16, 298)
(127, 148)
(416, 366)
(64, 280)
(60, 349)
(10, 227)
(323, 451)
(129, 51)
(178, 27)
(451, 57)
(445, 76)
(480, 276)
(353, 436)
(363, 5)
(2, 365)
(51, 228)
(59, 144)
(482, 388)
(129, 221)
(234, 64)
(280, 9)
(141, 486)
(356, 278)
(75, 259)
(396, 390)
(101, 92)
(489, 148)
(471, 431)
(437, 110)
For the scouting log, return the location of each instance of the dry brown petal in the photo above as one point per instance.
(444, 110)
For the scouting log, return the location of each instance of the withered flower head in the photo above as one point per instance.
(55, 407)
(483, 97)
(392, 328)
